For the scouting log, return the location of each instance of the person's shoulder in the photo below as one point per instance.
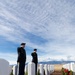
(18, 47)
(32, 53)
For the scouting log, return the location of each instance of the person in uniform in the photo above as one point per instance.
(35, 59)
(21, 60)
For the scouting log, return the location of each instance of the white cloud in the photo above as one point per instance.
(49, 57)
(12, 57)
(51, 22)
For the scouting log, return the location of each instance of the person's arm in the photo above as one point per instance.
(37, 58)
(18, 51)
(31, 54)
(25, 56)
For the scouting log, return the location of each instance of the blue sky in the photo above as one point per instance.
(47, 25)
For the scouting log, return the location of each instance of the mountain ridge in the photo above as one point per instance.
(56, 62)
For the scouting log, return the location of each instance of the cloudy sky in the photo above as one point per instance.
(48, 25)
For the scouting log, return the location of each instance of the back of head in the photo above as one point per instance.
(35, 49)
(23, 43)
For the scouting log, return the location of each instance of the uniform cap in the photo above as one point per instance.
(35, 49)
(23, 43)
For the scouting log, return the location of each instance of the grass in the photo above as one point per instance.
(25, 73)
(11, 73)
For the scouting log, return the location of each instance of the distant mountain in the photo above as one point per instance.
(55, 62)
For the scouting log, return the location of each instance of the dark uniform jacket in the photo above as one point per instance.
(34, 57)
(21, 54)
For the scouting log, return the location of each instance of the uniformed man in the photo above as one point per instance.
(21, 58)
(35, 59)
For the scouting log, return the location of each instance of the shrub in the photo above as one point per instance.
(11, 73)
(26, 73)
(38, 73)
(71, 72)
(66, 72)
(63, 71)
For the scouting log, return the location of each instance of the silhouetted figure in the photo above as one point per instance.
(35, 59)
(21, 58)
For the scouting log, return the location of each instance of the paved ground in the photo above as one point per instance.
(57, 73)
(57, 69)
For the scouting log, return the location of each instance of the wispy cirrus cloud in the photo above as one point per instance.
(45, 25)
